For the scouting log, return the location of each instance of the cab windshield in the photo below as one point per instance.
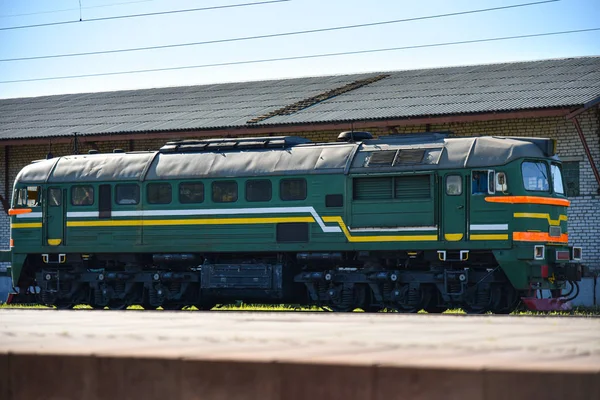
(535, 176)
(557, 181)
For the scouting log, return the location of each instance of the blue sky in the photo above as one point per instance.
(285, 16)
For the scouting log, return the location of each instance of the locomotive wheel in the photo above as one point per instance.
(347, 298)
(413, 304)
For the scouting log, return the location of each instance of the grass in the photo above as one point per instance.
(578, 311)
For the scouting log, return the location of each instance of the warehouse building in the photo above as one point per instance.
(557, 98)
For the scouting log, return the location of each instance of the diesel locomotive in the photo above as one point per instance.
(403, 222)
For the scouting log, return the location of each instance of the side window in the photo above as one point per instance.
(501, 183)
(557, 180)
(224, 192)
(159, 193)
(127, 194)
(479, 182)
(258, 190)
(453, 185)
(54, 197)
(292, 189)
(82, 195)
(28, 197)
(191, 192)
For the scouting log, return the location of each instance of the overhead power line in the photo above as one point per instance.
(304, 56)
(75, 9)
(273, 35)
(143, 15)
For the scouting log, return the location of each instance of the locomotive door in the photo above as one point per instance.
(454, 221)
(55, 216)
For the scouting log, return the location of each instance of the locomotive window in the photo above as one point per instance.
(292, 189)
(159, 193)
(82, 195)
(191, 192)
(479, 182)
(127, 194)
(54, 197)
(28, 197)
(224, 192)
(409, 156)
(453, 185)
(258, 190)
(557, 181)
(535, 176)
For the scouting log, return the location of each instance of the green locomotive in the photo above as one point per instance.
(408, 222)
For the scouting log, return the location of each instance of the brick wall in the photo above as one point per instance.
(584, 214)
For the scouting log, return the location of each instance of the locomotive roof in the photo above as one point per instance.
(286, 156)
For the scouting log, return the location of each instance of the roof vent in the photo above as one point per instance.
(93, 151)
(118, 151)
(350, 136)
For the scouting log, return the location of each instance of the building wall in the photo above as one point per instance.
(583, 215)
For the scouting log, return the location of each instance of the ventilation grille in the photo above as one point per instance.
(372, 188)
(417, 187)
(412, 187)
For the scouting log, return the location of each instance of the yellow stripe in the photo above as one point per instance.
(545, 216)
(26, 225)
(488, 237)
(203, 221)
(340, 221)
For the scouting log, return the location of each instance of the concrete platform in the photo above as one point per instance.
(84, 354)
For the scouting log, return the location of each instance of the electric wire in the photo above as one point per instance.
(75, 9)
(144, 15)
(273, 35)
(303, 56)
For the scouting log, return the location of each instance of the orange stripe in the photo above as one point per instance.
(539, 237)
(528, 200)
(17, 211)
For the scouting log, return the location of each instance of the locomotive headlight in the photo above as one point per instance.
(538, 252)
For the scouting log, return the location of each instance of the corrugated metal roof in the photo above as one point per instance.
(414, 93)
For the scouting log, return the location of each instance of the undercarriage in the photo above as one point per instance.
(401, 282)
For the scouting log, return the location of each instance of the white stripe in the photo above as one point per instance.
(30, 215)
(489, 227)
(83, 214)
(396, 229)
(216, 211)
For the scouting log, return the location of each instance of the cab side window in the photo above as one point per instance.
(82, 195)
(479, 182)
(127, 194)
(224, 192)
(159, 193)
(191, 192)
(292, 189)
(28, 197)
